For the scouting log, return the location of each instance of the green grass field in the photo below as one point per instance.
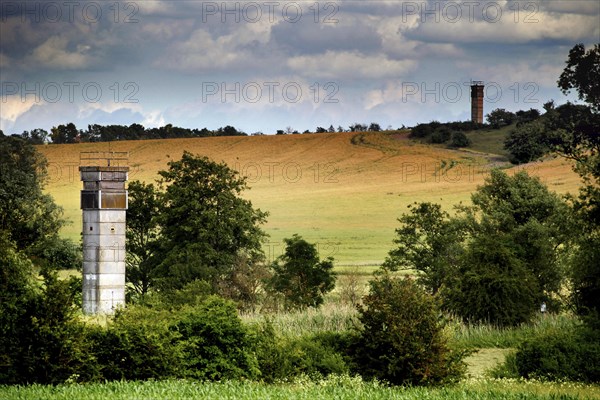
(344, 196)
(334, 387)
(490, 140)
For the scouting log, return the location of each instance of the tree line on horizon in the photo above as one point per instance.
(69, 133)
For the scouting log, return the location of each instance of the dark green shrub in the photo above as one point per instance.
(40, 339)
(441, 135)
(459, 139)
(424, 130)
(526, 143)
(402, 340)
(57, 253)
(567, 355)
(214, 342)
(300, 276)
(315, 356)
(493, 285)
(586, 276)
(137, 345)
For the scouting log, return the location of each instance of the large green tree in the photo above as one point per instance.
(581, 73)
(64, 133)
(39, 338)
(428, 241)
(500, 117)
(142, 234)
(497, 259)
(518, 231)
(526, 142)
(205, 222)
(575, 134)
(27, 214)
(301, 276)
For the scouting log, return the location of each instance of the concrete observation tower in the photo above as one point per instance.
(477, 101)
(104, 203)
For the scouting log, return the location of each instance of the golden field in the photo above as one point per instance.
(343, 191)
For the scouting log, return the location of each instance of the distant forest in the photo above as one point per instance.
(99, 133)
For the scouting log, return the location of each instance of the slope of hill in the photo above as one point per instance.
(343, 191)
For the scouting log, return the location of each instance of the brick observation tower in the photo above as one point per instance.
(477, 101)
(104, 203)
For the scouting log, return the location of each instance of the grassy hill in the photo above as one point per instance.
(343, 191)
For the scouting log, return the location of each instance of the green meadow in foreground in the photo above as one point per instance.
(334, 387)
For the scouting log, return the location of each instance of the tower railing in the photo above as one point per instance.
(104, 159)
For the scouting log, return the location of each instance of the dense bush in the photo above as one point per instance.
(423, 130)
(568, 355)
(204, 340)
(526, 143)
(441, 135)
(436, 132)
(402, 339)
(137, 345)
(214, 342)
(586, 276)
(56, 252)
(300, 276)
(315, 356)
(40, 340)
(492, 285)
(459, 139)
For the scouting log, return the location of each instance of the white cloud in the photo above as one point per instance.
(528, 27)
(53, 54)
(349, 65)
(167, 29)
(88, 108)
(11, 107)
(154, 119)
(520, 73)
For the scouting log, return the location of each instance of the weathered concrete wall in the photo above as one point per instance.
(103, 238)
(103, 260)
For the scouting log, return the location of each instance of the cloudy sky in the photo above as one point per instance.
(267, 65)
